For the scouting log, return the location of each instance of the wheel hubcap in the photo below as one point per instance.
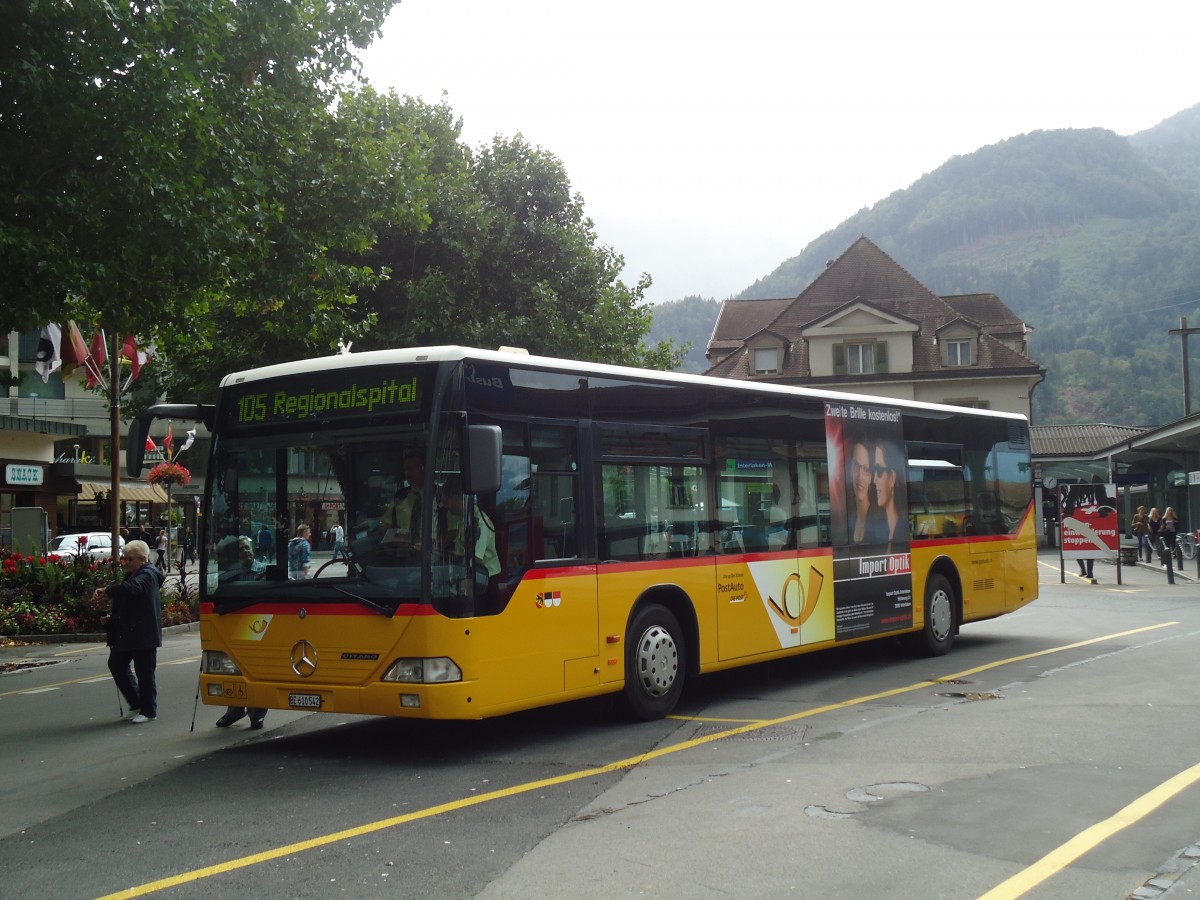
(941, 615)
(657, 661)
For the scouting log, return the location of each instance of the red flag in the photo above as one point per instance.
(129, 351)
(96, 361)
(168, 441)
(150, 445)
(99, 350)
(74, 350)
(136, 355)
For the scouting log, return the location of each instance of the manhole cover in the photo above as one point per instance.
(971, 695)
(769, 733)
(19, 665)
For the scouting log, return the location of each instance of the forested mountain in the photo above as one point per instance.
(686, 321)
(1092, 238)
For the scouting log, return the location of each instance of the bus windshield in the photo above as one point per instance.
(331, 515)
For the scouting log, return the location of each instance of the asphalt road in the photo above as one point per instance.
(1054, 753)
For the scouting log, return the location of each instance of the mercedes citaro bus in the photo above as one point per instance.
(572, 529)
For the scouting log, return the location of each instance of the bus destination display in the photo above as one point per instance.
(325, 397)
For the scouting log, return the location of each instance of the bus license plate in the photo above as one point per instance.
(305, 701)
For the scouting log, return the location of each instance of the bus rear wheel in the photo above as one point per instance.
(655, 658)
(937, 637)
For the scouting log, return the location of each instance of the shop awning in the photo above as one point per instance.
(130, 490)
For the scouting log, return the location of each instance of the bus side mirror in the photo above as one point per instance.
(135, 448)
(482, 457)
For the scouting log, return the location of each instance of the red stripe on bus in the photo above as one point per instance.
(281, 608)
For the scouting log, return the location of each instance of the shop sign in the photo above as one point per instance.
(25, 475)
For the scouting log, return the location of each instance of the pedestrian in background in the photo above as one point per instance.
(1154, 530)
(237, 713)
(1170, 534)
(299, 554)
(266, 543)
(135, 630)
(1141, 531)
(1085, 569)
(337, 536)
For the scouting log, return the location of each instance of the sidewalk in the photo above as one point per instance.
(1142, 573)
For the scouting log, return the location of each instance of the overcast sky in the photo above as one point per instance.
(712, 141)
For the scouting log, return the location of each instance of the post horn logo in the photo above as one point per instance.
(304, 659)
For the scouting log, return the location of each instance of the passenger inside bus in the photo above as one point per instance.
(237, 561)
(401, 520)
(481, 568)
(769, 524)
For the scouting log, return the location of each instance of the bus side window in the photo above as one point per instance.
(554, 523)
(553, 482)
(621, 534)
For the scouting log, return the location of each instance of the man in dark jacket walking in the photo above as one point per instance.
(135, 630)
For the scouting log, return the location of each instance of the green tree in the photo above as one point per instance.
(160, 157)
(307, 308)
(689, 321)
(509, 258)
(155, 155)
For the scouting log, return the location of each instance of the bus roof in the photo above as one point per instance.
(454, 353)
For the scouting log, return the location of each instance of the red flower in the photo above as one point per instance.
(169, 473)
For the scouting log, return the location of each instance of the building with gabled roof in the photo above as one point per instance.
(867, 326)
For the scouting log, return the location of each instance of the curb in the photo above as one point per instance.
(96, 638)
(1152, 567)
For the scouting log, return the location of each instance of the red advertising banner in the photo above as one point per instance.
(1089, 520)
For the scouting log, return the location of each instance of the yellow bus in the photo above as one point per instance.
(519, 531)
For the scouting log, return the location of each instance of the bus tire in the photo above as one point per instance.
(937, 637)
(655, 663)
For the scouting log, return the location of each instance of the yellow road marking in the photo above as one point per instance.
(81, 648)
(620, 765)
(90, 679)
(1115, 589)
(1061, 857)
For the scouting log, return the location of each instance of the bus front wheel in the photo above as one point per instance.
(654, 663)
(937, 637)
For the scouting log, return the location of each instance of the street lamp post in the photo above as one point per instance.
(1183, 331)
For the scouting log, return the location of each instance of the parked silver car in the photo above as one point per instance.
(94, 544)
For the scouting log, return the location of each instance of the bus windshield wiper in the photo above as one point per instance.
(224, 605)
(370, 604)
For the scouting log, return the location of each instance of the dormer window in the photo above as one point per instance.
(860, 358)
(958, 353)
(766, 361)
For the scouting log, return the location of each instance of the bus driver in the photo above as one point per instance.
(402, 518)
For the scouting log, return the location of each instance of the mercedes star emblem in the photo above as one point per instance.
(304, 659)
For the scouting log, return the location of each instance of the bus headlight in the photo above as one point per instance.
(437, 670)
(214, 662)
